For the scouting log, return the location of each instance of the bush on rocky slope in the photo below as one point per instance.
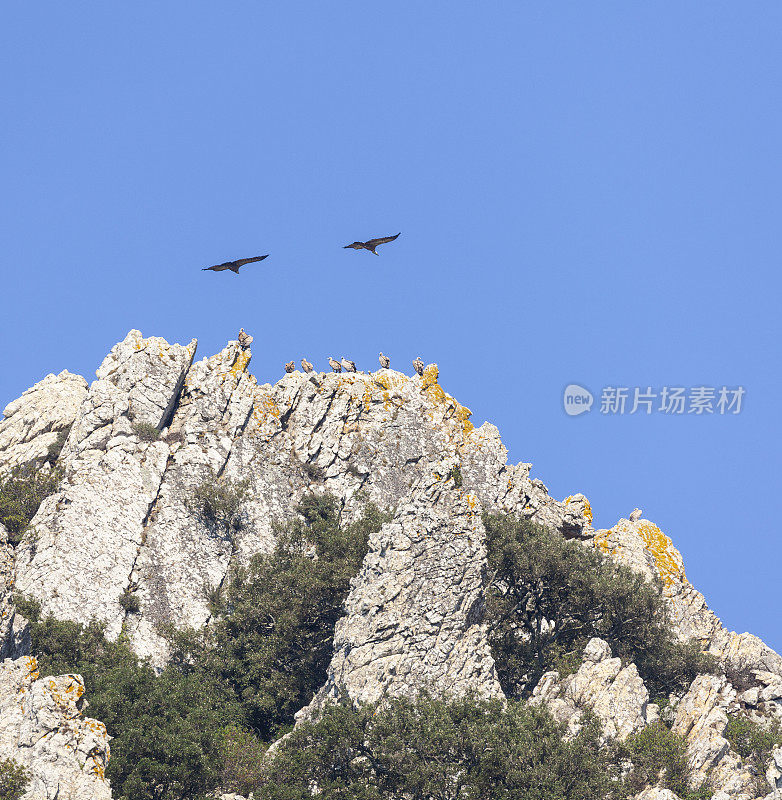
(22, 490)
(217, 501)
(547, 596)
(438, 749)
(199, 723)
(13, 779)
(271, 639)
(165, 729)
(754, 742)
(656, 756)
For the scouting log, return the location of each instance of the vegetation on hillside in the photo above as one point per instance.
(201, 722)
(22, 490)
(206, 720)
(14, 779)
(547, 596)
(438, 749)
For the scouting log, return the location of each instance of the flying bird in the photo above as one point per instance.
(371, 244)
(385, 361)
(335, 365)
(290, 367)
(244, 339)
(306, 366)
(350, 366)
(418, 366)
(234, 265)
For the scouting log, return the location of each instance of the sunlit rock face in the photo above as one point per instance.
(121, 520)
(42, 729)
(32, 423)
(157, 424)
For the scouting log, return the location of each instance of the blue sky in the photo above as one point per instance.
(587, 193)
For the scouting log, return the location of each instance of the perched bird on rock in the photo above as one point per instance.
(350, 366)
(306, 366)
(418, 366)
(370, 244)
(244, 339)
(385, 361)
(234, 265)
(290, 367)
(636, 515)
(335, 365)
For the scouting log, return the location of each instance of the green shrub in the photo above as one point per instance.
(658, 757)
(547, 596)
(273, 626)
(22, 490)
(754, 743)
(438, 750)
(218, 503)
(166, 728)
(241, 756)
(456, 474)
(146, 431)
(129, 602)
(312, 471)
(13, 779)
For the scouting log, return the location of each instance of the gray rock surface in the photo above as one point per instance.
(42, 728)
(616, 694)
(413, 618)
(32, 422)
(121, 521)
(642, 546)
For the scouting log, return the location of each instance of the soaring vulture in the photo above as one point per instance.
(371, 244)
(244, 339)
(385, 361)
(234, 265)
(306, 366)
(350, 366)
(335, 365)
(290, 367)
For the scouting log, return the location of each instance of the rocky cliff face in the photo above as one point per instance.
(121, 523)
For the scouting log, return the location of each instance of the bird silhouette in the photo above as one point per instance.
(335, 365)
(290, 367)
(306, 366)
(385, 361)
(418, 366)
(350, 366)
(234, 265)
(371, 244)
(244, 339)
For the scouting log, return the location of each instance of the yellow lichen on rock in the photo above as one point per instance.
(667, 558)
(240, 364)
(438, 397)
(587, 506)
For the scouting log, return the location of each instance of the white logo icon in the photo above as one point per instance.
(577, 400)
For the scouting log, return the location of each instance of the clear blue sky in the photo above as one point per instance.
(587, 193)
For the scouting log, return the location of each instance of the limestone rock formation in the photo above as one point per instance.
(156, 427)
(32, 422)
(642, 546)
(121, 520)
(413, 617)
(616, 694)
(42, 728)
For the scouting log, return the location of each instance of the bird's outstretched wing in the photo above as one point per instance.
(381, 240)
(242, 261)
(234, 265)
